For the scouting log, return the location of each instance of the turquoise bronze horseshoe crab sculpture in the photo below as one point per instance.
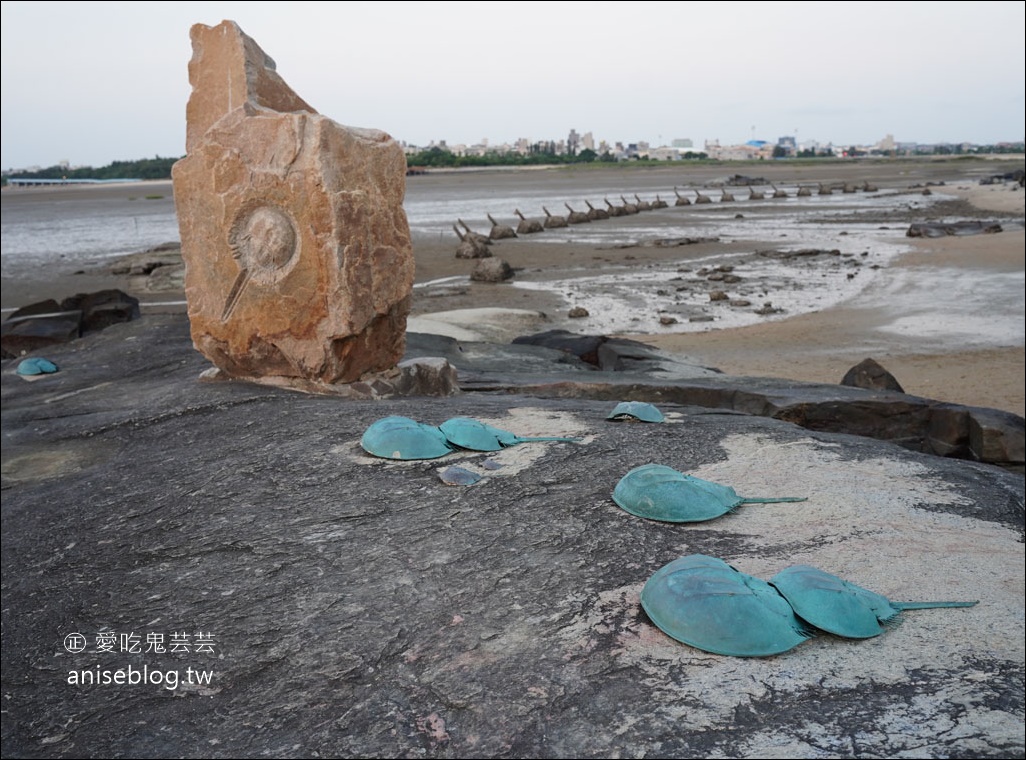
(704, 602)
(840, 607)
(474, 435)
(708, 604)
(658, 492)
(398, 437)
(640, 411)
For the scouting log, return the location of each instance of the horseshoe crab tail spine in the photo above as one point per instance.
(554, 438)
(930, 605)
(233, 295)
(772, 499)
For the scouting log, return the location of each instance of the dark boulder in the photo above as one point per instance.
(491, 270)
(584, 347)
(103, 308)
(37, 326)
(869, 374)
(942, 229)
(47, 323)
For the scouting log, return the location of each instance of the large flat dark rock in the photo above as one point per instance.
(624, 369)
(361, 607)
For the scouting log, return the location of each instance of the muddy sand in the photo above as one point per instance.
(980, 362)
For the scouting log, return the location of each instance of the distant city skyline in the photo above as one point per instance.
(587, 140)
(680, 148)
(676, 148)
(97, 82)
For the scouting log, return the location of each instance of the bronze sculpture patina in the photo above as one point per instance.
(474, 435)
(658, 492)
(706, 603)
(840, 607)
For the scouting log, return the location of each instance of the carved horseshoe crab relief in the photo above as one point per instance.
(264, 242)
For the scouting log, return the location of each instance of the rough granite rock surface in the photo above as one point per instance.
(360, 607)
(296, 245)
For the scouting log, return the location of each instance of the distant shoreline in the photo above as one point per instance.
(85, 186)
(47, 182)
(24, 183)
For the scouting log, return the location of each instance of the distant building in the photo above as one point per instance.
(682, 147)
(887, 144)
(664, 153)
(753, 149)
(572, 142)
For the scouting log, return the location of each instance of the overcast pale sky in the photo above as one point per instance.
(95, 82)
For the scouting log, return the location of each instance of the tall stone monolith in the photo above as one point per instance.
(299, 266)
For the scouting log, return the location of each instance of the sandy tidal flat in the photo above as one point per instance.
(944, 315)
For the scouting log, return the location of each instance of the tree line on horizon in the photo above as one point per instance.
(436, 157)
(160, 168)
(143, 168)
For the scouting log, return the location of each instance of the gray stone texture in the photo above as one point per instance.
(362, 608)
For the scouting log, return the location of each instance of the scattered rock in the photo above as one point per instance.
(491, 269)
(49, 323)
(166, 279)
(428, 376)
(145, 262)
(38, 326)
(777, 254)
(942, 229)
(666, 319)
(102, 309)
(870, 375)
(718, 295)
(584, 347)
(996, 436)
(741, 180)
(674, 242)
(577, 312)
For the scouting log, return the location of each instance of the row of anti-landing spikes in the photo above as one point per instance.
(529, 226)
